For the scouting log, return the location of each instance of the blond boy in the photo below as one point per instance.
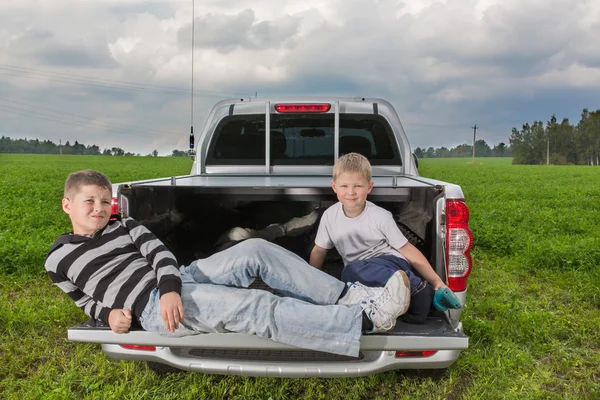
(368, 239)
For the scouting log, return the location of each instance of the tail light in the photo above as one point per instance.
(114, 206)
(423, 353)
(303, 108)
(459, 240)
(138, 347)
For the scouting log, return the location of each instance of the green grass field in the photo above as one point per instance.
(532, 314)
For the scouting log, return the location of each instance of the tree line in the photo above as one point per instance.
(35, 146)
(482, 149)
(558, 143)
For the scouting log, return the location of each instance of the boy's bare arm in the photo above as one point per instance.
(171, 310)
(420, 263)
(317, 256)
(119, 320)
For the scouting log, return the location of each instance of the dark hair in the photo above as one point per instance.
(76, 180)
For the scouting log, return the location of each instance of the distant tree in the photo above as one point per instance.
(430, 153)
(588, 137)
(499, 150)
(67, 148)
(419, 152)
(529, 144)
(92, 150)
(442, 152)
(155, 153)
(35, 146)
(78, 148)
(5, 143)
(561, 141)
(463, 150)
(179, 153)
(481, 148)
(48, 147)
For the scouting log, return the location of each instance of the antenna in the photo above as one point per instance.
(192, 91)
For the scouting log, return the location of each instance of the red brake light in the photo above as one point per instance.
(138, 347)
(302, 108)
(114, 210)
(459, 240)
(423, 353)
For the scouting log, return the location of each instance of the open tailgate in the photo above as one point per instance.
(435, 334)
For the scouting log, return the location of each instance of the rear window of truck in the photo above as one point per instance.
(301, 139)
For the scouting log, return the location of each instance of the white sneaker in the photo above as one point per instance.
(384, 308)
(271, 232)
(298, 226)
(236, 234)
(356, 294)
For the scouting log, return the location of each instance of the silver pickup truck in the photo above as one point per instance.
(264, 161)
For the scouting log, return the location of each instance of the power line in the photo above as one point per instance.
(78, 82)
(22, 72)
(88, 119)
(98, 126)
(435, 125)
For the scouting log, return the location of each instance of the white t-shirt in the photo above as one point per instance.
(373, 233)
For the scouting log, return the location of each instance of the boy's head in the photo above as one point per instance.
(87, 201)
(352, 162)
(352, 182)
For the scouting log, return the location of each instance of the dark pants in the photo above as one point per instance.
(376, 271)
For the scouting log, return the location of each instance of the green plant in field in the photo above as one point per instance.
(532, 312)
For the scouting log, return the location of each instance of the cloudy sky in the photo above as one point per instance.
(118, 72)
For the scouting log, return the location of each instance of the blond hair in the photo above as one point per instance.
(354, 163)
(87, 177)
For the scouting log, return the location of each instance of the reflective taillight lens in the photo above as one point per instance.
(423, 353)
(114, 210)
(302, 108)
(138, 347)
(459, 240)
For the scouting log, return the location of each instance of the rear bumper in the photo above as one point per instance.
(250, 355)
(371, 362)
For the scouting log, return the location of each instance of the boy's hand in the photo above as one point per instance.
(439, 285)
(119, 320)
(171, 310)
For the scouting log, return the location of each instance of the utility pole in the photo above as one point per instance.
(548, 151)
(60, 146)
(474, 135)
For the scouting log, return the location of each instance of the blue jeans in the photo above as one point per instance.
(377, 270)
(214, 301)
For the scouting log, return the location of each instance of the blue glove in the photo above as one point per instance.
(444, 298)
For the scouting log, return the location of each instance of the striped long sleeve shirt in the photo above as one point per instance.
(116, 268)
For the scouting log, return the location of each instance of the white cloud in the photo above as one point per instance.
(443, 64)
